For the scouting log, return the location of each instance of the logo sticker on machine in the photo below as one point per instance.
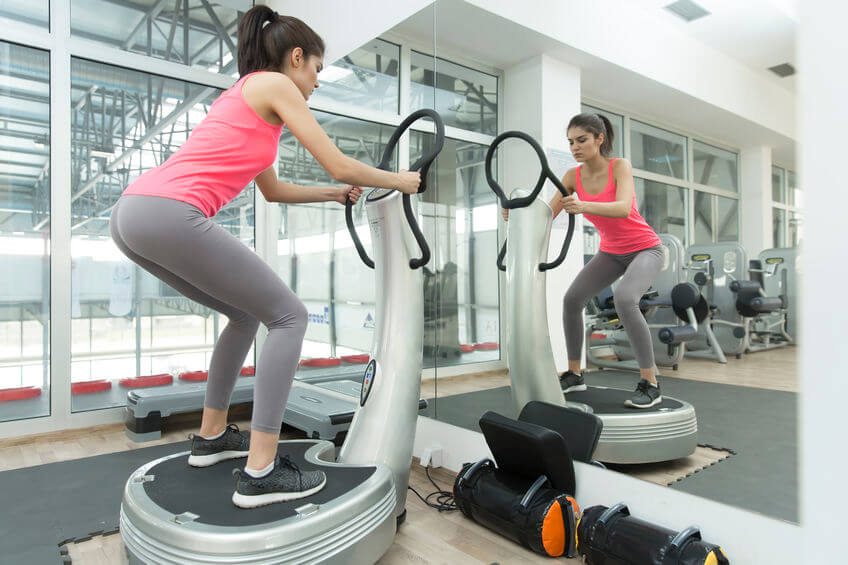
(368, 381)
(774, 260)
(701, 257)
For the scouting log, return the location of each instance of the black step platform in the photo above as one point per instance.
(207, 492)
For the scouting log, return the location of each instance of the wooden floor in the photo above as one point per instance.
(427, 536)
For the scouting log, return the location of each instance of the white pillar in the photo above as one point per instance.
(540, 97)
(755, 205)
(823, 47)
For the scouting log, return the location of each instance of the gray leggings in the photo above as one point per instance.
(640, 268)
(175, 242)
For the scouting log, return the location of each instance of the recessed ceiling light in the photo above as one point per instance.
(687, 10)
(783, 70)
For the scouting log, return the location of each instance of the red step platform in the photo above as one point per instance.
(87, 387)
(19, 393)
(147, 381)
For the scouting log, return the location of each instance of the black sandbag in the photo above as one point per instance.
(610, 536)
(530, 513)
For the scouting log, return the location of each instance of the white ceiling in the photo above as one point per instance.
(614, 86)
(757, 33)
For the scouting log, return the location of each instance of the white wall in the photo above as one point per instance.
(755, 228)
(540, 97)
(823, 115)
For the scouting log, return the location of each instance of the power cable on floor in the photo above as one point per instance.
(444, 499)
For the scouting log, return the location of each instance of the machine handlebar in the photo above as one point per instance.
(423, 165)
(509, 203)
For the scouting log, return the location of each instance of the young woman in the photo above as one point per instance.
(163, 222)
(602, 189)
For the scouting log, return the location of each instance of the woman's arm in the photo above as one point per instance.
(275, 190)
(288, 103)
(567, 180)
(620, 208)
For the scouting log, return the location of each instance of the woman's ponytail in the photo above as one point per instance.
(265, 38)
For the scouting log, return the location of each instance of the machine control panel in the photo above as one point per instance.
(368, 381)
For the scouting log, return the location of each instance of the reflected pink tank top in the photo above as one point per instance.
(618, 235)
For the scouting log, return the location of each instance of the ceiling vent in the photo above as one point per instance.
(687, 10)
(783, 71)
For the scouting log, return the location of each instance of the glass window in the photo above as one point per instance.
(192, 32)
(316, 256)
(796, 196)
(24, 230)
(703, 217)
(125, 322)
(367, 78)
(715, 167)
(728, 219)
(460, 216)
(796, 229)
(779, 227)
(663, 206)
(33, 12)
(617, 126)
(778, 184)
(657, 150)
(465, 98)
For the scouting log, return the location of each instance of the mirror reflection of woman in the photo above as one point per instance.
(602, 189)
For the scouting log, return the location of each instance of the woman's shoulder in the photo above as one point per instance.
(267, 79)
(621, 164)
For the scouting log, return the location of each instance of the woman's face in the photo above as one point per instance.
(303, 70)
(584, 145)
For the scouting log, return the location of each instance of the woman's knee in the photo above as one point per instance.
(625, 301)
(574, 302)
(294, 315)
(243, 320)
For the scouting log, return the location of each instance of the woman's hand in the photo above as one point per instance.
(352, 192)
(505, 214)
(572, 205)
(408, 182)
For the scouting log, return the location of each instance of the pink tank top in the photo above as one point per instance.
(618, 235)
(223, 153)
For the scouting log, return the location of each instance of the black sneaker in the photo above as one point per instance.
(645, 395)
(285, 482)
(232, 445)
(572, 381)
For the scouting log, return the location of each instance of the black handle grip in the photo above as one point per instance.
(545, 174)
(501, 256)
(423, 165)
(672, 554)
(355, 236)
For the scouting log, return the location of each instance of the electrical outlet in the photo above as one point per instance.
(432, 456)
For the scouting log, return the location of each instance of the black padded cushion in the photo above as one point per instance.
(685, 295)
(766, 303)
(527, 450)
(580, 430)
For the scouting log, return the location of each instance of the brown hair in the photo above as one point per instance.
(595, 124)
(265, 38)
